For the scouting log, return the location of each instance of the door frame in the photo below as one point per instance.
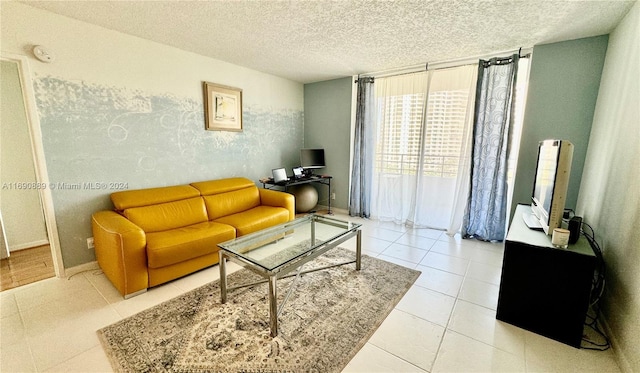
(37, 148)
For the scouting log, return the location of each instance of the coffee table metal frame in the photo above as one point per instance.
(282, 270)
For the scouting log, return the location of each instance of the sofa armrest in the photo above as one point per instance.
(120, 248)
(276, 198)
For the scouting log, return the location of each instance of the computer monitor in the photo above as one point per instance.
(312, 158)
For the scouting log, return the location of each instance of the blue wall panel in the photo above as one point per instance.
(100, 139)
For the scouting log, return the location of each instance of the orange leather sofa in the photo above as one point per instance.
(160, 234)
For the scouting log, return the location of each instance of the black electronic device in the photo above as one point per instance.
(279, 175)
(553, 169)
(312, 159)
(298, 173)
(575, 223)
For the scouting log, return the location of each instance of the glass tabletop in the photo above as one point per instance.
(285, 243)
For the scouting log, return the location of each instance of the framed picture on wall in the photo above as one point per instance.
(222, 107)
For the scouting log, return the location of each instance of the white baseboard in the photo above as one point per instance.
(91, 266)
(621, 358)
(28, 245)
(333, 209)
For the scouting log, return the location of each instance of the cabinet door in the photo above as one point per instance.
(545, 290)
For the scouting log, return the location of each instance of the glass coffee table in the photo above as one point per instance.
(274, 253)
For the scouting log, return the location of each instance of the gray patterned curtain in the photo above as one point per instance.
(486, 212)
(363, 152)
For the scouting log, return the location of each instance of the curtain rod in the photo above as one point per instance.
(438, 65)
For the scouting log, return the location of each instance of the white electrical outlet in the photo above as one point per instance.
(90, 243)
(333, 196)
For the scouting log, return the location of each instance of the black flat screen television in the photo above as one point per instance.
(312, 158)
(551, 182)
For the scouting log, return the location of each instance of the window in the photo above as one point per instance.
(399, 133)
(400, 126)
(423, 128)
(423, 137)
(444, 130)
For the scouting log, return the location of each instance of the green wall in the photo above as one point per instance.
(327, 124)
(563, 87)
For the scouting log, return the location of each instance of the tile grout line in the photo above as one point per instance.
(398, 357)
(457, 299)
(446, 328)
(26, 337)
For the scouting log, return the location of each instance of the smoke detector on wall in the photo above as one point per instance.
(42, 54)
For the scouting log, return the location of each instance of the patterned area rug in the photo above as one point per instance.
(329, 316)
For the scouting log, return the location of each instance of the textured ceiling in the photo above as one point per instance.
(309, 41)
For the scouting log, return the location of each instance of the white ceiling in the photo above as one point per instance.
(309, 41)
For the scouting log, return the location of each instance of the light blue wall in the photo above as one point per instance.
(327, 124)
(563, 87)
(99, 139)
(114, 108)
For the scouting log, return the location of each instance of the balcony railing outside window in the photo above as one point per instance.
(445, 166)
(402, 128)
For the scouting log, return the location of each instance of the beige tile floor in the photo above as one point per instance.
(445, 323)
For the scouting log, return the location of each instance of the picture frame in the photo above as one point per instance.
(222, 107)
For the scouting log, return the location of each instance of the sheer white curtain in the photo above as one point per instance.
(423, 146)
(400, 108)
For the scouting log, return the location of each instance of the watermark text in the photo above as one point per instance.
(85, 185)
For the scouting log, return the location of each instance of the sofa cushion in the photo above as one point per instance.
(152, 196)
(211, 187)
(170, 215)
(177, 245)
(229, 203)
(255, 219)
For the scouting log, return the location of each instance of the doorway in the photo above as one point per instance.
(29, 236)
